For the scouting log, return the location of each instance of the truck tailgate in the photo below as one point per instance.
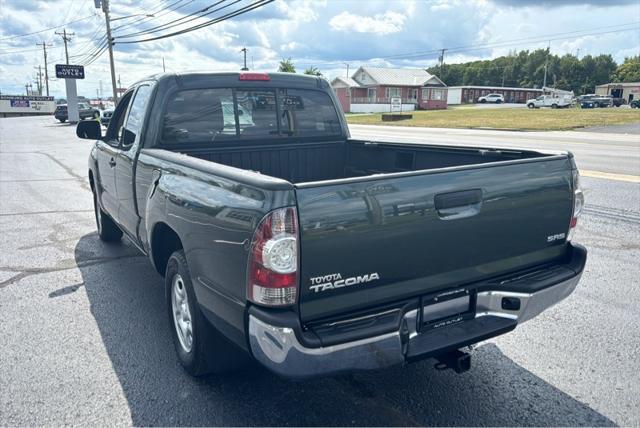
(367, 242)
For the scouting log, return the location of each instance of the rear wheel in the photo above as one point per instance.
(531, 105)
(483, 101)
(201, 349)
(108, 231)
(498, 101)
(596, 105)
(62, 120)
(554, 105)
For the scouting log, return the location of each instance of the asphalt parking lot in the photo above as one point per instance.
(86, 339)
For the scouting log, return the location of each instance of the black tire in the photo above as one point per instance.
(483, 101)
(210, 352)
(498, 101)
(62, 120)
(596, 105)
(531, 105)
(554, 105)
(96, 115)
(108, 231)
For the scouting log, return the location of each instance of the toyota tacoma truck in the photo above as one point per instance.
(283, 239)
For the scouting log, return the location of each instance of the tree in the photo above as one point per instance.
(313, 71)
(286, 66)
(628, 71)
(526, 69)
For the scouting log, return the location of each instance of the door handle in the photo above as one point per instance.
(456, 205)
(112, 162)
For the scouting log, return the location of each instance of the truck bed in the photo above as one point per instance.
(322, 161)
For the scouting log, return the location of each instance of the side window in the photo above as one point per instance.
(136, 116)
(114, 131)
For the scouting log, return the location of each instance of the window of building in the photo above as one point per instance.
(425, 94)
(393, 92)
(437, 94)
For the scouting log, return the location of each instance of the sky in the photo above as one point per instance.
(327, 34)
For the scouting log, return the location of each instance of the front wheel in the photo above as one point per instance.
(554, 105)
(62, 120)
(201, 349)
(498, 101)
(483, 101)
(108, 231)
(531, 105)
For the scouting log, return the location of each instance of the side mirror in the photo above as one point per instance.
(89, 129)
(128, 137)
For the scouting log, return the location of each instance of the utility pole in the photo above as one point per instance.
(164, 70)
(26, 89)
(66, 38)
(578, 53)
(546, 66)
(442, 51)
(347, 64)
(244, 50)
(105, 9)
(39, 81)
(46, 74)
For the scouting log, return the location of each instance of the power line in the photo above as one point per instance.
(506, 43)
(156, 14)
(230, 15)
(46, 29)
(175, 23)
(19, 51)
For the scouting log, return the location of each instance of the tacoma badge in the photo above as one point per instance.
(334, 280)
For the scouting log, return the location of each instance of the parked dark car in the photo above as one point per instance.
(282, 238)
(105, 117)
(635, 104)
(85, 111)
(617, 101)
(595, 101)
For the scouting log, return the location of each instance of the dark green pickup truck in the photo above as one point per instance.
(283, 239)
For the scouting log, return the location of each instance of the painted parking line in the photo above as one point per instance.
(610, 176)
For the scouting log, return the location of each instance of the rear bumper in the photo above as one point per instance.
(278, 348)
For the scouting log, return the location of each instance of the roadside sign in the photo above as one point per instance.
(396, 104)
(66, 71)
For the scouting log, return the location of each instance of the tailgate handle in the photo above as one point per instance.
(455, 205)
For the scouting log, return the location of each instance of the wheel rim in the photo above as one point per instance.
(181, 313)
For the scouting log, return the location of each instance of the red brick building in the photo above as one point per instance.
(370, 89)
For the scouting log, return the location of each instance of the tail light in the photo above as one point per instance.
(272, 279)
(578, 203)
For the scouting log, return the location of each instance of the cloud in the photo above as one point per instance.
(381, 24)
(321, 33)
(560, 3)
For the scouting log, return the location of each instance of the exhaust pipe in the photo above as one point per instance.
(458, 360)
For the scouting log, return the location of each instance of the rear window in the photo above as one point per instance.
(219, 114)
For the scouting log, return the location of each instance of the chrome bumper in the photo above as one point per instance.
(279, 350)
